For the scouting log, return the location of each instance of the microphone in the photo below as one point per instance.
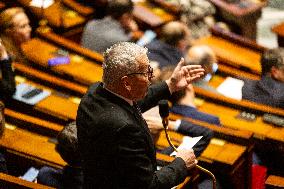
(164, 112)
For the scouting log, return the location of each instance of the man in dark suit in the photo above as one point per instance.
(115, 143)
(269, 89)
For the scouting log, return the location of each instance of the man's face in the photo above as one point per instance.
(139, 81)
(20, 30)
(278, 73)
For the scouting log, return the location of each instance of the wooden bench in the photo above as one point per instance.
(274, 182)
(57, 107)
(31, 123)
(12, 182)
(238, 104)
(79, 69)
(232, 54)
(59, 16)
(23, 146)
(37, 148)
(49, 80)
(150, 15)
(228, 160)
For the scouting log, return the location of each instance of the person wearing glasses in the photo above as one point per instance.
(114, 140)
(15, 30)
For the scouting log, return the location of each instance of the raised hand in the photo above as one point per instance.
(183, 75)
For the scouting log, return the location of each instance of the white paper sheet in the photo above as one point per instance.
(231, 88)
(23, 88)
(41, 3)
(187, 143)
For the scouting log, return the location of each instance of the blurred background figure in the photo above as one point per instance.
(7, 81)
(269, 89)
(71, 176)
(117, 26)
(203, 55)
(15, 29)
(172, 45)
(198, 15)
(183, 102)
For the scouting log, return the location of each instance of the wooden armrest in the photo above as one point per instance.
(9, 181)
(274, 182)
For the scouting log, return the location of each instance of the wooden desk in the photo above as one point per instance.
(240, 104)
(279, 31)
(57, 15)
(151, 15)
(27, 122)
(228, 118)
(81, 9)
(80, 69)
(222, 158)
(244, 17)
(274, 182)
(57, 107)
(232, 54)
(30, 146)
(49, 80)
(12, 182)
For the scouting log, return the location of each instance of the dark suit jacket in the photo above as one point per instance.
(116, 146)
(163, 53)
(193, 113)
(265, 91)
(69, 177)
(7, 83)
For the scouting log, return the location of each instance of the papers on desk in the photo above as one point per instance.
(187, 143)
(231, 88)
(24, 88)
(41, 3)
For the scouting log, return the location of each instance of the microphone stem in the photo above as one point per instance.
(165, 125)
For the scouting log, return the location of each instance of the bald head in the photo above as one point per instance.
(202, 55)
(173, 32)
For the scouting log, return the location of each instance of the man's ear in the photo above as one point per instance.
(274, 72)
(125, 82)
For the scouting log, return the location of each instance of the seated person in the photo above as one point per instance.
(15, 30)
(118, 26)
(203, 55)
(198, 15)
(172, 45)
(183, 102)
(71, 176)
(7, 81)
(3, 166)
(269, 89)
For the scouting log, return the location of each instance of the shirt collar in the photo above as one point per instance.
(126, 99)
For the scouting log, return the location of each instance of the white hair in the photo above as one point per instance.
(120, 60)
